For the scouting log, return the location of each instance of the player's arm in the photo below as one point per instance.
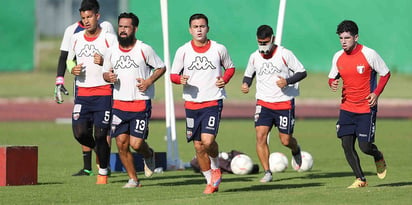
(144, 84)
(176, 73)
(296, 77)
(246, 83)
(61, 69)
(373, 97)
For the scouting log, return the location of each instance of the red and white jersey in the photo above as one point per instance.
(128, 65)
(203, 65)
(283, 63)
(358, 72)
(77, 27)
(84, 48)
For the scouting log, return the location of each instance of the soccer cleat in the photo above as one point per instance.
(101, 179)
(381, 168)
(298, 157)
(267, 177)
(132, 184)
(210, 189)
(358, 184)
(83, 172)
(149, 165)
(216, 177)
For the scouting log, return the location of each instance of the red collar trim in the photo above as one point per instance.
(201, 49)
(356, 50)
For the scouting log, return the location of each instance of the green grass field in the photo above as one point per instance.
(60, 156)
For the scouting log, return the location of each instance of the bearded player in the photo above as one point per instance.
(133, 67)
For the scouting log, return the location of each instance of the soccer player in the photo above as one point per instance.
(133, 68)
(93, 97)
(277, 72)
(61, 70)
(358, 66)
(198, 66)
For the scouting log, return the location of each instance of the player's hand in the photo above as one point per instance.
(98, 59)
(334, 85)
(77, 69)
(110, 76)
(244, 88)
(281, 83)
(59, 89)
(143, 84)
(184, 79)
(372, 99)
(220, 83)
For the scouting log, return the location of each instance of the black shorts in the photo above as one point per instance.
(205, 120)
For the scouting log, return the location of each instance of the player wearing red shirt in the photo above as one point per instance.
(358, 67)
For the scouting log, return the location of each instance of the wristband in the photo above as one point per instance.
(59, 80)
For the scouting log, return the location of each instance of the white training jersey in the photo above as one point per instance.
(77, 27)
(128, 65)
(83, 50)
(283, 63)
(203, 70)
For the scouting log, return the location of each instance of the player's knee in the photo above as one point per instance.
(365, 147)
(83, 135)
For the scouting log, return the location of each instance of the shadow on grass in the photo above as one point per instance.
(269, 186)
(395, 184)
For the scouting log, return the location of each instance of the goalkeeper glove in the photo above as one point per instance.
(59, 89)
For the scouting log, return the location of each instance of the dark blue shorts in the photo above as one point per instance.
(205, 120)
(284, 120)
(134, 123)
(96, 109)
(360, 125)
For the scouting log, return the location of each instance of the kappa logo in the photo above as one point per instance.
(201, 63)
(268, 68)
(88, 51)
(125, 62)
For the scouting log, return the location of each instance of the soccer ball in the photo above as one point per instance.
(307, 162)
(278, 162)
(241, 164)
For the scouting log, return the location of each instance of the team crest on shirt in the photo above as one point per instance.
(125, 62)
(360, 69)
(268, 68)
(88, 51)
(201, 63)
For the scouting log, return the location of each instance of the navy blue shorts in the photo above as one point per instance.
(96, 109)
(134, 123)
(360, 125)
(205, 120)
(284, 120)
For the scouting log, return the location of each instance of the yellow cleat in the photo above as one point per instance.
(358, 184)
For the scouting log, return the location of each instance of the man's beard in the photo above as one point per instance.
(126, 41)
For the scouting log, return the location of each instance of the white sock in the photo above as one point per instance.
(208, 176)
(103, 171)
(214, 162)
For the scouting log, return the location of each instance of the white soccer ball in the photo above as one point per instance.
(278, 162)
(241, 164)
(307, 162)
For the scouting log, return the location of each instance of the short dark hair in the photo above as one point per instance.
(135, 19)
(264, 31)
(89, 5)
(347, 26)
(199, 16)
